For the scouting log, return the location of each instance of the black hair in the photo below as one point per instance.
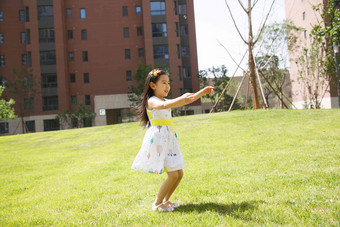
(141, 112)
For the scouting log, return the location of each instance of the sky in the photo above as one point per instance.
(214, 25)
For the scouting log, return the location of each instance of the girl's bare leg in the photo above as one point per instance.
(174, 186)
(166, 186)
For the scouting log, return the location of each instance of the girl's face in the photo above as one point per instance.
(162, 87)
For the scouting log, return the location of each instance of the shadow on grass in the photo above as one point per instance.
(238, 210)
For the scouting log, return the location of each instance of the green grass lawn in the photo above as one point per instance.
(277, 167)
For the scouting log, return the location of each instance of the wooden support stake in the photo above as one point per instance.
(225, 88)
(239, 87)
(284, 104)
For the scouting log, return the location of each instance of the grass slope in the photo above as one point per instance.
(251, 168)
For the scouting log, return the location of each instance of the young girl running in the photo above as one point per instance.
(160, 150)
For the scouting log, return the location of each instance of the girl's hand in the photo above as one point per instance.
(188, 97)
(208, 90)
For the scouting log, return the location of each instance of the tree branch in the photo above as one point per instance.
(245, 10)
(230, 55)
(264, 23)
(255, 2)
(232, 17)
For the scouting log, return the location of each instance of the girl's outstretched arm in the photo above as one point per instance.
(183, 100)
(204, 91)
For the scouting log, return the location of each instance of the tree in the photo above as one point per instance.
(276, 40)
(219, 79)
(23, 88)
(313, 73)
(6, 111)
(316, 63)
(81, 117)
(251, 42)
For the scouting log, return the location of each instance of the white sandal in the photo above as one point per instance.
(159, 208)
(173, 205)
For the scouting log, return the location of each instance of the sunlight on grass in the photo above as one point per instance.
(278, 167)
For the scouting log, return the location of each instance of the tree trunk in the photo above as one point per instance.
(252, 76)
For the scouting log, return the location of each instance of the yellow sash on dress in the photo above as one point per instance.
(163, 122)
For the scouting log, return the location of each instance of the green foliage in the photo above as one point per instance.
(219, 78)
(23, 87)
(329, 31)
(81, 117)
(6, 111)
(243, 168)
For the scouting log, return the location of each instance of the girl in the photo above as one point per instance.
(160, 150)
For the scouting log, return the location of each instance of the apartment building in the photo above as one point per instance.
(88, 51)
(301, 13)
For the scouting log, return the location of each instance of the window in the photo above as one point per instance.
(3, 126)
(70, 56)
(1, 16)
(23, 37)
(175, 7)
(138, 10)
(49, 80)
(182, 9)
(47, 58)
(2, 60)
(185, 51)
(139, 31)
(21, 15)
(304, 15)
(24, 59)
(179, 71)
(127, 54)
(160, 52)
(186, 72)
(125, 11)
(178, 51)
(29, 105)
(46, 35)
(128, 75)
(86, 78)
(84, 34)
(45, 12)
(85, 56)
(184, 29)
(29, 59)
(82, 13)
(27, 14)
(2, 38)
(28, 36)
(30, 126)
(157, 8)
(126, 32)
(159, 30)
(72, 78)
(176, 29)
(87, 100)
(68, 13)
(51, 125)
(69, 34)
(74, 100)
(50, 103)
(141, 52)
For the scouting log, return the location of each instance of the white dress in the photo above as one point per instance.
(160, 150)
